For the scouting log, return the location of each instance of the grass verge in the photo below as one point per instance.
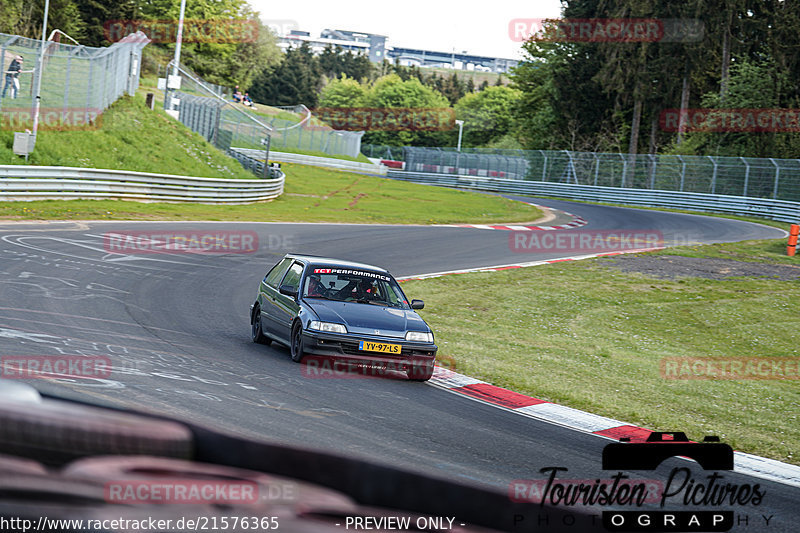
(590, 337)
(312, 194)
(129, 137)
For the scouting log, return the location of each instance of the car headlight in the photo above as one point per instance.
(419, 336)
(327, 327)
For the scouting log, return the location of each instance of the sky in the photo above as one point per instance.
(478, 27)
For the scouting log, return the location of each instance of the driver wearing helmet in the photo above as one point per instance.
(365, 290)
(315, 288)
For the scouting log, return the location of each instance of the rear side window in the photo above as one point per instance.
(274, 276)
(293, 276)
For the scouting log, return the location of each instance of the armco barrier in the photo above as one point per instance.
(63, 183)
(338, 164)
(762, 207)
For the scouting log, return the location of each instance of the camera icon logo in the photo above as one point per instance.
(711, 454)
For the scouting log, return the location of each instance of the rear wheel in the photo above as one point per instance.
(297, 344)
(256, 333)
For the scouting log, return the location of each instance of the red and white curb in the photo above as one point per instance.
(575, 419)
(576, 222)
(601, 426)
(525, 265)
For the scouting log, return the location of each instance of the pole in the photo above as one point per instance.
(458, 149)
(38, 102)
(177, 60)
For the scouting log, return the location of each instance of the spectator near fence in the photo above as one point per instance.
(12, 77)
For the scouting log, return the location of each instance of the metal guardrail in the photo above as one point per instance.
(779, 210)
(339, 164)
(63, 183)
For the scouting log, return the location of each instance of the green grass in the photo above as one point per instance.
(129, 137)
(592, 338)
(312, 194)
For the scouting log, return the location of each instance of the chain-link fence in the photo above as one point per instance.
(737, 176)
(382, 151)
(78, 82)
(291, 128)
(312, 135)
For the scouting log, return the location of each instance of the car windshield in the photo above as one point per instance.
(350, 285)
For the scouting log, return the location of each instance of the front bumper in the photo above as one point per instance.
(345, 348)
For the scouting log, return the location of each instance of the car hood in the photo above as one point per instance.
(367, 319)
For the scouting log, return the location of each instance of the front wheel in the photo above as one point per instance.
(297, 344)
(256, 333)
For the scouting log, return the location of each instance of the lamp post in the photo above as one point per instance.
(458, 149)
(177, 60)
(38, 102)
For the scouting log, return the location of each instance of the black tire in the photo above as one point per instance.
(297, 344)
(420, 373)
(256, 334)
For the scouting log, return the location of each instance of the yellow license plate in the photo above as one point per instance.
(379, 347)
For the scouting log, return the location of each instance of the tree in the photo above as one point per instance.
(22, 17)
(334, 61)
(343, 92)
(296, 80)
(392, 92)
(488, 115)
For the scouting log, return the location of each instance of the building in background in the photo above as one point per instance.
(376, 48)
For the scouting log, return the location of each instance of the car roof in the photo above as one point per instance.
(313, 259)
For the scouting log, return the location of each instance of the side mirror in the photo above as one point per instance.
(417, 304)
(288, 290)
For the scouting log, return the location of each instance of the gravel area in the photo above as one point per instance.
(674, 266)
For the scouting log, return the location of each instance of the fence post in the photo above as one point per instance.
(746, 175)
(89, 90)
(713, 175)
(777, 178)
(624, 169)
(66, 83)
(544, 165)
(683, 172)
(596, 167)
(653, 162)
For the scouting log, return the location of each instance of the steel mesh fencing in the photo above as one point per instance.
(291, 128)
(777, 179)
(75, 79)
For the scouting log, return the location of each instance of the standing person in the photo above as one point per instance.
(12, 77)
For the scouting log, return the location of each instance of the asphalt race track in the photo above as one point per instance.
(176, 328)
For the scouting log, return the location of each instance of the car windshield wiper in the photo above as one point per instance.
(324, 298)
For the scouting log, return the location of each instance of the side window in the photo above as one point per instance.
(293, 276)
(274, 276)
